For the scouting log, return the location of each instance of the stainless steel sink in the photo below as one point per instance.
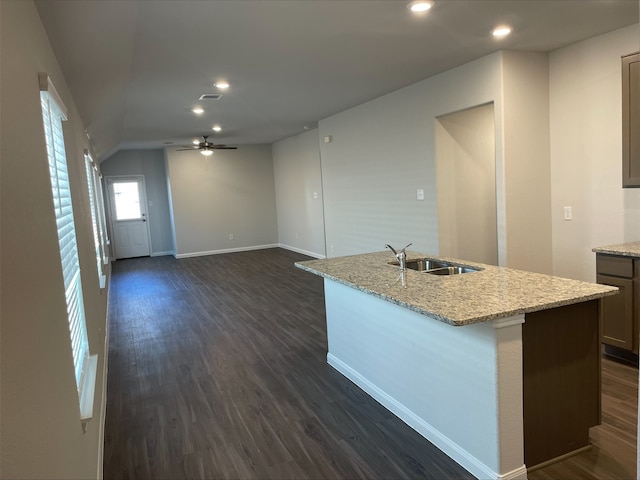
(435, 267)
(423, 264)
(451, 270)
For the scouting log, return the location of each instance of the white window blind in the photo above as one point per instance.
(95, 220)
(103, 218)
(53, 113)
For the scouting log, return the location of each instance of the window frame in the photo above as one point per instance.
(95, 201)
(54, 113)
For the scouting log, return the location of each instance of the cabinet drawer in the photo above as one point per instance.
(616, 266)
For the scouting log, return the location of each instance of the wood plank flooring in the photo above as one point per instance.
(217, 370)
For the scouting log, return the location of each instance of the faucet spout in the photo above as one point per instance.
(401, 256)
(402, 261)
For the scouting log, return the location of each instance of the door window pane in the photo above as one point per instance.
(127, 200)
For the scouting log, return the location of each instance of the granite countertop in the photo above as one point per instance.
(464, 299)
(631, 249)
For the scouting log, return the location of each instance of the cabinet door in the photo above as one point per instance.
(617, 313)
(631, 120)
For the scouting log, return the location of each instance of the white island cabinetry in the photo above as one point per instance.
(455, 357)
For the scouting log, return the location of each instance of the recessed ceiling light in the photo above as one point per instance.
(221, 85)
(197, 110)
(216, 128)
(420, 5)
(501, 31)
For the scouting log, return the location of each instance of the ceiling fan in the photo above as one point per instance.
(206, 148)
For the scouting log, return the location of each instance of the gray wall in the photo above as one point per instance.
(382, 151)
(557, 131)
(585, 84)
(151, 164)
(40, 430)
(230, 193)
(466, 178)
(526, 172)
(298, 182)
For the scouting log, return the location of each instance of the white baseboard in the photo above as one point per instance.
(162, 254)
(103, 400)
(303, 252)
(225, 250)
(450, 448)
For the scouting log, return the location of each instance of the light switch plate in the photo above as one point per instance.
(568, 214)
(420, 194)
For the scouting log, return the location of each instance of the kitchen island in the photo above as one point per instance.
(498, 368)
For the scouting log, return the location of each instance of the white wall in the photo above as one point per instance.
(298, 183)
(151, 164)
(40, 430)
(230, 193)
(586, 152)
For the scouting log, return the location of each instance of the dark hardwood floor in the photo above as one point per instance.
(217, 370)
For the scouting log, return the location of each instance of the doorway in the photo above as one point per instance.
(128, 214)
(466, 184)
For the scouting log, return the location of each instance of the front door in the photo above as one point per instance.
(129, 216)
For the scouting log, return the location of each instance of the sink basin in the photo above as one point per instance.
(422, 264)
(435, 267)
(451, 270)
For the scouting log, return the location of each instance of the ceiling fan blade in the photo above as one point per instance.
(185, 149)
(224, 147)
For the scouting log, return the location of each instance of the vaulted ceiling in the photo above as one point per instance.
(137, 68)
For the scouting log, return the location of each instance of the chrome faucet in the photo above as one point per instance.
(401, 256)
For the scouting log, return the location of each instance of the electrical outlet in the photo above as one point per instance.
(296, 235)
(231, 236)
(331, 249)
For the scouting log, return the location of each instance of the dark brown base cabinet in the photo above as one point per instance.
(561, 381)
(619, 315)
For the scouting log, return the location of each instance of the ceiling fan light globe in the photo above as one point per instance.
(420, 6)
(206, 152)
(501, 31)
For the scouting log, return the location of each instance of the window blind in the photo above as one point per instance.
(103, 219)
(93, 203)
(53, 113)
(100, 211)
